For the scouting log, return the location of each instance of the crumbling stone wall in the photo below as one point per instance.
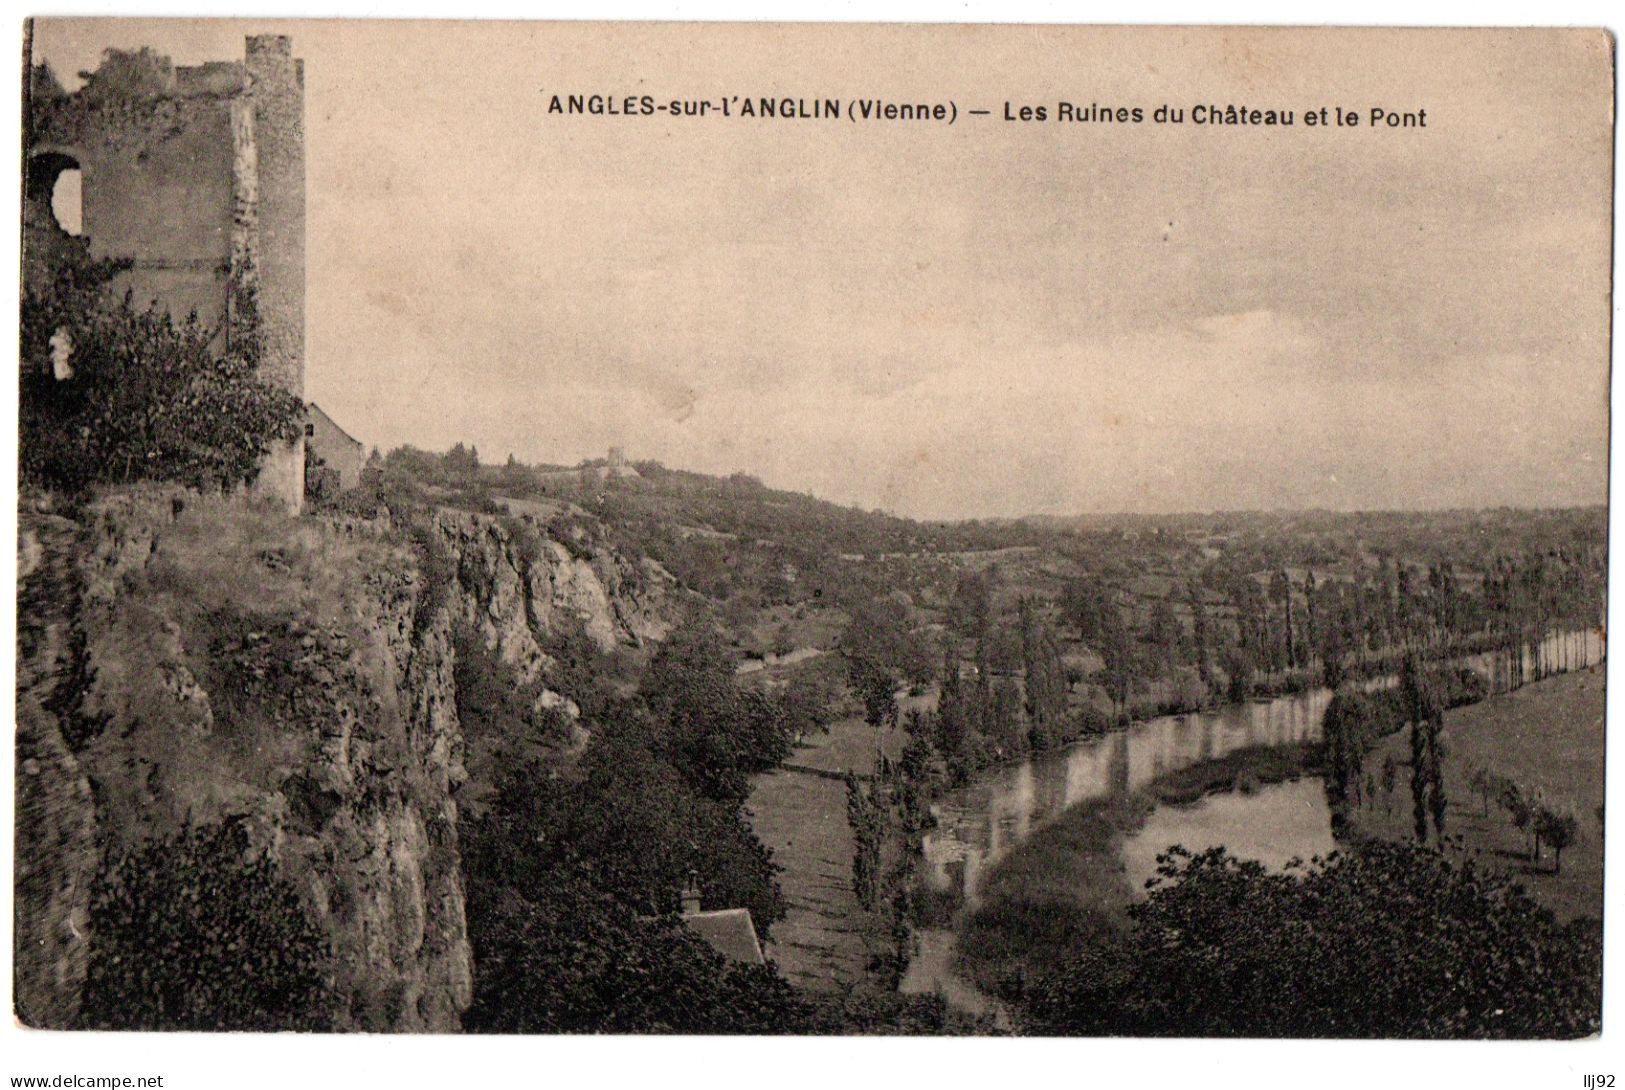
(276, 86)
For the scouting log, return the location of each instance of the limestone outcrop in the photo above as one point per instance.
(188, 660)
(193, 660)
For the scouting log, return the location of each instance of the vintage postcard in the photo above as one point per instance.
(562, 528)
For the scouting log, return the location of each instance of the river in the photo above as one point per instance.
(980, 823)
(1274, 825)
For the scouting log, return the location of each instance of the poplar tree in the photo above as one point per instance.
(1425, 712)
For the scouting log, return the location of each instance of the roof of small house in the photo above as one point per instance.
(730, 932)
(312, 407)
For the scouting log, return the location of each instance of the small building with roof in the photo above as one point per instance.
(333, 457)
(728, 931)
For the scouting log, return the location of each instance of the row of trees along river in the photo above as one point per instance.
(1249, 633)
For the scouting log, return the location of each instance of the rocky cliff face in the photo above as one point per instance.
(516, 586)
(57, 852)
(184, 659)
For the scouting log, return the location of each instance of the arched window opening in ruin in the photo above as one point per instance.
(56, 185)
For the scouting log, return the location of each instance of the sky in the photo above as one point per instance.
(993, 318)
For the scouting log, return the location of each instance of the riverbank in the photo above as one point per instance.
(1546, 736)
(1067, 884)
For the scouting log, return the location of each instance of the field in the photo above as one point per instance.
(801, 818)
(1546, 736)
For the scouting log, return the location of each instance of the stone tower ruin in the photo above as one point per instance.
(197, 176)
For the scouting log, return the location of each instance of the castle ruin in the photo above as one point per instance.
(196, 175)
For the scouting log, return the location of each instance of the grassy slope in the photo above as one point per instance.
(1548, 735)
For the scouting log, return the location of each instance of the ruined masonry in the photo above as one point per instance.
(198, 176)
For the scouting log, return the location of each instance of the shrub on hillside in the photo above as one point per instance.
(202, 932)
(505, 724)
(1461, 686)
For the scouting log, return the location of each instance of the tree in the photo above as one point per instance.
(1239, 667)
(461, 461)
(1116, 648)
(128, 73)
(1392, 940)
(971, 608)
(1005, 730)
(876, 688)
(1558, 828)
(1085, 603)
(1045, 689)
(573, 869)
(1311, 634)
(1200, 637)
(1424, 709)
(1436, 754)
(1518, 808)
(1281, 594)
(950, 728)
(807, 702)
(1419, 783)
(914, 777)
(642, 828)
(867, 822)
(560, 956)
(881, 630)
(1349, 728)
(710, 730)
(1163, 638)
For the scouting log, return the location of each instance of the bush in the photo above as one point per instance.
(1462, 685)
(887, 1013)
(146, 398)
(1089, 722)
(200, 932)
(436, 574)
(1391, 941)
(505, 724)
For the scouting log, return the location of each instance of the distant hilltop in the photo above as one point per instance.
(615, 467)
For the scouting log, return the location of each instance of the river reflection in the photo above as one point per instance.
(1274, 825)
(979, 823)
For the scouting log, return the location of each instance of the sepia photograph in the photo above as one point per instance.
(811, 530)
